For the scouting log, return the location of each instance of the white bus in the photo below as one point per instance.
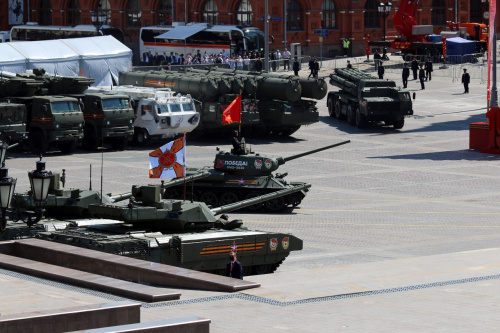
(190, 38)
(48, 32)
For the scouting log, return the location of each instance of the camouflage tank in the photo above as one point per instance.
(181, 233)
(243, 174)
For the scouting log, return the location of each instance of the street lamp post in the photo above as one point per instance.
(40, 181)
(384, 10)
(98, 17)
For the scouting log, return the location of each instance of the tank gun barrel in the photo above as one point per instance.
(289, 158)
(174, 182)
(259, 199)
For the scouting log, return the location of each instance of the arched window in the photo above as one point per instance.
(328, 15)
(372, 17)
(133, 14)
(244, 13)
(438, 16)
(73, 12)
(45, 13)
(210, 12)
(165, 12)
(293, 16)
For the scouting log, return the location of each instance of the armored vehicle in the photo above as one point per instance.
(13, 123)
(243, 174)
(159, 112)
(175, 232)
(363, 98)
(270, 104)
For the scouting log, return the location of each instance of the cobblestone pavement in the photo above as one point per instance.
(400, 228)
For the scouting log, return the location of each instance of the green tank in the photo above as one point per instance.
(187, 234)
(58, 85)
(242, 174)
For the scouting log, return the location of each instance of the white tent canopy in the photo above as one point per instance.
(100, 58)
(11, 60)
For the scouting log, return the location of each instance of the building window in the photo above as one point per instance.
(133, 14)
(438, 16)
(476, 11)
(106, 8)
(165, 12)
(293, 16)
(46, 13)
(210, 12)
(372, 17)
(73, 12)
(244, 13)
(328, 15)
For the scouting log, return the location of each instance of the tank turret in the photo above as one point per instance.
(58, 85)
(11, 85)
(237, 176)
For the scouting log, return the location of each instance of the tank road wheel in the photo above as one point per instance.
(171, 194)
(276, 204)
(398, 124)
(338, 109)
(255, 207)
(119, 143)
(228, 198)
(90, 139)
(38, 144)
(294, 199)
(331, 107)
(360, 119)
(68, 147)
(351, 117)
(263, 269)
(210, 198)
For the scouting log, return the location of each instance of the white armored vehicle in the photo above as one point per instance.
(159, 112)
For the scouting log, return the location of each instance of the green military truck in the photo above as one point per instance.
(108, 118)
(13, 123)
(52, 121)
(363, 98)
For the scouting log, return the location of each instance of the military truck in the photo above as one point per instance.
(159, 112)
(52, 120)
(363, 98)
(13, 123)
(108, 118)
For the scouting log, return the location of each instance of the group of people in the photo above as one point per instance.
(421, 71)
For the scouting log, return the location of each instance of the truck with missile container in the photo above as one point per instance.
(363, 98)
(158, 112)
(270, 104)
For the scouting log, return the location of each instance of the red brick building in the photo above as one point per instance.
(343, 19)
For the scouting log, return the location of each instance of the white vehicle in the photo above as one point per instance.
(33, 31)
(159, 112)
(189, 38)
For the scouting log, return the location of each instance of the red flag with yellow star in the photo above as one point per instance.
(169, 160)
(232, 113)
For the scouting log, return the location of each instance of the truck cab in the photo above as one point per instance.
(13, 123)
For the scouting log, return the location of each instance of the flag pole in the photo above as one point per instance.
(184, 141)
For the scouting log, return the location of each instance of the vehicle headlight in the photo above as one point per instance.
(57, 125)
(131, 121)
(107, 123)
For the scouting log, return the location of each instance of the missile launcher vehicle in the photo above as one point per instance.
(243, 174)
(270, 104)
(186, 234)
(363, 98)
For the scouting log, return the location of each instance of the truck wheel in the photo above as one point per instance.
(398, 124)
(119, 143)
(38, 144)
(361, 121)
(331, 107)
(90, 139)
(142, 137)
(351, 117)
(338, 109)
(67, 147)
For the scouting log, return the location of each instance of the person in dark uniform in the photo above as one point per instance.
(421, 76)
(296, 66)
(377, 59)
(381, 71)
(428, 69)
(311, 67)
(234, 268)
(406, 74)
(237, 146)
(315, 68)
(258, 65)
(349, 64)
(414, 68)
(466, 81)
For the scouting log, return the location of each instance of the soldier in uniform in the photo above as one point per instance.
(406, 74)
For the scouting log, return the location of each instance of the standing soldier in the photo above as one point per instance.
(414, 68)
(406, 74)
(428, 69)
(381, 71)
(421, 76)
(377, 59)
(296, 66)
(466, 81)
(345, 44)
